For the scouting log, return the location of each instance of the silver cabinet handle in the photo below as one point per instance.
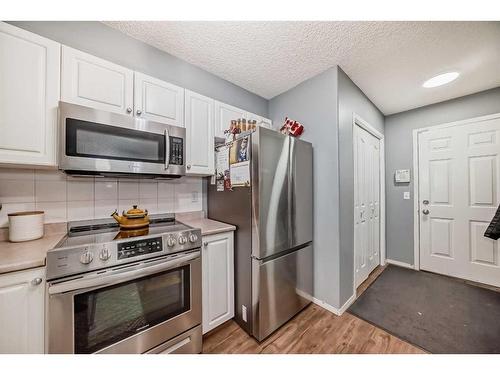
(188, 166)
(139, 112)
(129, 110)
(425, 212)
(205, 244)
(36, 281)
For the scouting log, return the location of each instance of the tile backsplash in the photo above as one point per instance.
(66, 198)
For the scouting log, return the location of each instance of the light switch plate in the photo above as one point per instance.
(406, 195)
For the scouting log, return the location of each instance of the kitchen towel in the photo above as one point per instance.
(493, 230)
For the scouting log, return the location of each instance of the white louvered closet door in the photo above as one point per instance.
(366, 203)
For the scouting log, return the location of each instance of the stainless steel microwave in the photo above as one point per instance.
(95, 142)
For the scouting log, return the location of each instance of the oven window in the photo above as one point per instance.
(92, 140)
(108, 315)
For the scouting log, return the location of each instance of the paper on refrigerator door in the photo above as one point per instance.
(222, 169)
(221, 160)
(240, 174)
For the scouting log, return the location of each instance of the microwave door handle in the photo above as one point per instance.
(167, 149)
(120, 275)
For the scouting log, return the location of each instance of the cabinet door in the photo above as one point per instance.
(199, 116)
(224, 113)
(261, 121)
(218, 280)
(22, 311)
(158, 100)
(29, 96)
(93, 82)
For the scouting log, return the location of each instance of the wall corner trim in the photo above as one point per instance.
(332, 309)
(400, 264)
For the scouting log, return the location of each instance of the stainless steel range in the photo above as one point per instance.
(112, 291)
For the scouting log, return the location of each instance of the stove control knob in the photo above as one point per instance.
(182, 240)
(86, 257)
(193, 238)
(104, 254)
(171, 241)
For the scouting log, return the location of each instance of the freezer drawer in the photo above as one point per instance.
(281, 288)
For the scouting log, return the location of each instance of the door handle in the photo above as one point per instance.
(425, 211)
(167, 149)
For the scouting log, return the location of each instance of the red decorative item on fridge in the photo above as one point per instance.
(292, 127)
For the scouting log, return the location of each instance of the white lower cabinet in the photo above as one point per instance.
(22, 311)
(218, 279)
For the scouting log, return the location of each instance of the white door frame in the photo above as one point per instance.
(358, 121)
(416, 197)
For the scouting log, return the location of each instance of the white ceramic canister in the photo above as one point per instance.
(25, 226)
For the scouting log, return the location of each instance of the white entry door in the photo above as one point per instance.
(366, 204)
(459, 189)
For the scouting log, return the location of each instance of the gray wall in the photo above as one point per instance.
(398, 153)
(105, 42)
(314, 103)
(350, 100)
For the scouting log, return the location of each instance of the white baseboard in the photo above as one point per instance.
(332, 309)
(400, 264)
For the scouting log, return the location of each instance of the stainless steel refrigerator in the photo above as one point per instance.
(273, 240)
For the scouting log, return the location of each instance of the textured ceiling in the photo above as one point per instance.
(388, 60)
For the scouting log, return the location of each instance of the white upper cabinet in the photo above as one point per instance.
(253, 116)
(224, 113)
(199, 116)
(93, 82)
(260, 120)
(29, 95)
(22, 311)
(158, 100)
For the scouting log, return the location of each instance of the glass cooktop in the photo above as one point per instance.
(106, 230)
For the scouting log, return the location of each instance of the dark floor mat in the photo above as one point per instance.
(437, 313)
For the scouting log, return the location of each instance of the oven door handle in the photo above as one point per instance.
(167, 149)
(120, 275)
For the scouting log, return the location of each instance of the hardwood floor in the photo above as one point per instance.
(314, 330)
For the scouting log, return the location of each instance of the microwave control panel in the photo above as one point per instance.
(139, 247)
(176, 151)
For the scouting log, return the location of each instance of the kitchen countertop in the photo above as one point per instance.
(207, 226)
(18, 256)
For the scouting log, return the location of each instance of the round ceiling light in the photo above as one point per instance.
(441, 79)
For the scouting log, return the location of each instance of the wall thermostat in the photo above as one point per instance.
(402, 175)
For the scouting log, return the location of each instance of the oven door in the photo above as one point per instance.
(104, 143)
(130, 309)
